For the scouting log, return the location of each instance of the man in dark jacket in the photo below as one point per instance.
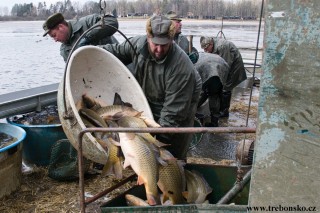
(182, 40)
(168, 78)
(230, 53)
(68, 32)
(214, 72)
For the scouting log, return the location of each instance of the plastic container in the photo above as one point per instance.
(99, 74)
(11, 160)
(38, 142)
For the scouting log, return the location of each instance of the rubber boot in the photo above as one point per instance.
(214, 122)
(225, 104)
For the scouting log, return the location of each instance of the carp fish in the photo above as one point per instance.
(172, 181)
(135, 201)
(142, 159)
(197, 187)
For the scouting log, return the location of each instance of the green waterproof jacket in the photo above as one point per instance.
(96, 36)
(172, 87)
(210, 65)
(183, 43)
(230, 53)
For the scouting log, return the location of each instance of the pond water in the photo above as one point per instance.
(30, 60)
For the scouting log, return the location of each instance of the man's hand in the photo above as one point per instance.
(194, 57)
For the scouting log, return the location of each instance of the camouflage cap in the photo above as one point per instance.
(205, 41)
(173, 16)
(51, 22)
(160, 26)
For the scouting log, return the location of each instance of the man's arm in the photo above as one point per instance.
(109, 27)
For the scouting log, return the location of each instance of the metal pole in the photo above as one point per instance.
(175, 129)
(235, 189)
(81, 174)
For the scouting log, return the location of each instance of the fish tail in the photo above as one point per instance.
(153, 200)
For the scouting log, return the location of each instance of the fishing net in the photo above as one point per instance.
(63, 164)
(196, 138)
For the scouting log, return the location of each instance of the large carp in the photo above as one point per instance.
(172, 181)
(143, 160)
(197, 187)
(107, 141)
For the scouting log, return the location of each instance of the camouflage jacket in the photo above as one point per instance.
(230, 53)
(97, 35)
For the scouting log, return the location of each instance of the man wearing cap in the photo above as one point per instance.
(69, 32)
(230, 53)
(182, 40)
(168, 78)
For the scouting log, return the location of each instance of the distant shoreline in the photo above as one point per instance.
(227, 21)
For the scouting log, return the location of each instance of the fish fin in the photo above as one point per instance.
(185, 194)
(149, 122)
(117, 116)
(126, 163)
(161, 161)
(127, 104)
(140, 180)
(166, 155)
(117, 99)
(114, 142)
(160, 144)
(118, 170)
(138, 115)
(165, 197)
(152, 200)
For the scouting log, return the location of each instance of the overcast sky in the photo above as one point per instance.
(10, 3)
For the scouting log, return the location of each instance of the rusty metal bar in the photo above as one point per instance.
(97, 196)
(81, 173)
(150, 130)
(175, 130)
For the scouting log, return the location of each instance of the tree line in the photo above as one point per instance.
(196, 9)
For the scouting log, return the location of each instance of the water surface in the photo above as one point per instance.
(30, 60)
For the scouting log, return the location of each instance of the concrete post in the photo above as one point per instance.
(286, 167)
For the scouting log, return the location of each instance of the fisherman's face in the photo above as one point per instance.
(159, 51)
(208, 48)
(178, 26)
(60, 33)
